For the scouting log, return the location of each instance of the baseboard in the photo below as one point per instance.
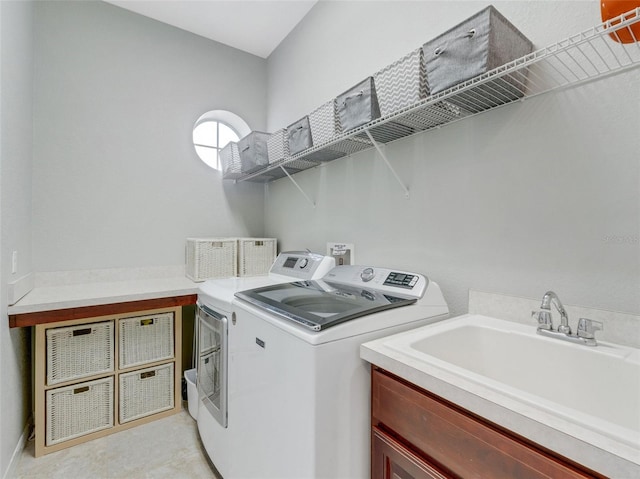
(15, 457)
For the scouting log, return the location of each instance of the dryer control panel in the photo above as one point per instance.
(302, 265)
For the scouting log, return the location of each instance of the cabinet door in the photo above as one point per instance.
(391, 460)
(466, 446)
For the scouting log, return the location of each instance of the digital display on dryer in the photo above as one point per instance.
(290, 262)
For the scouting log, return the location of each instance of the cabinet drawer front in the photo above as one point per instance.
(461, 443)
(392, 460)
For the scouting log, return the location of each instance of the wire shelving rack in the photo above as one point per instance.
(584, 57)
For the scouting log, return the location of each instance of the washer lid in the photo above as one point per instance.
(321, 304)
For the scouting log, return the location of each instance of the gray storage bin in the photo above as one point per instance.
(324, 128)
(402, 83)
(299, 136)
(358, 105)
(481, 43)
(253, 151)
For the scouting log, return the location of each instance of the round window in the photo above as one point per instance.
(213, 131)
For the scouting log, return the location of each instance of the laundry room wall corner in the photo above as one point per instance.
(516, 200)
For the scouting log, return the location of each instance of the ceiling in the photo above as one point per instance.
(254, 26)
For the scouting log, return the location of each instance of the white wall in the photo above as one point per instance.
(97, 169)
(16, 84)
(539, 195)
(116, 180)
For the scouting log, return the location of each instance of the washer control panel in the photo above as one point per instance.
(402, 280)
(382, 279)
(367, 274)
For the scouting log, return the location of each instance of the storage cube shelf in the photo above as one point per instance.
(79, 351)
(145, 339)
(145, 392)
(98, 375)
(77, 410)
(588, 55)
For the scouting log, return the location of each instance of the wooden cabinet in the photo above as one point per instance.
(391, 460)
(416, 434)
(96, 376)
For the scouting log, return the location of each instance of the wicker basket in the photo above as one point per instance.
(79, 351)
(77, 410)
(145, 339)
(230, 161)
(211, 258)
(256, 255)
(145, 392)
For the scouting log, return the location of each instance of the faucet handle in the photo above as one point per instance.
(587, 328)
(543, 317)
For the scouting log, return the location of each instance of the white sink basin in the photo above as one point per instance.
(597, 389)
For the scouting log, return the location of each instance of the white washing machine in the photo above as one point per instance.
(299, 403)
(216, 334)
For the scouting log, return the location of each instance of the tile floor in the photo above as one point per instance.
(167, 448)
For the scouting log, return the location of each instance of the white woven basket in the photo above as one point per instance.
(211, 258)
(79, 351)
(77, 410)
(145, 339)
(256, 255)
(145, 392)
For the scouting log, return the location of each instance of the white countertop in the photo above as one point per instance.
(73, 290)
(483, 402)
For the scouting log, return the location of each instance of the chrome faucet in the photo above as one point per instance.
(552, 298)
(586, 327)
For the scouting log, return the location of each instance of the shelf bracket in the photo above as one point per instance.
(384, 158)
(312, 203)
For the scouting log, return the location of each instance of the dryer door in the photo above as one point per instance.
(212, 362)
